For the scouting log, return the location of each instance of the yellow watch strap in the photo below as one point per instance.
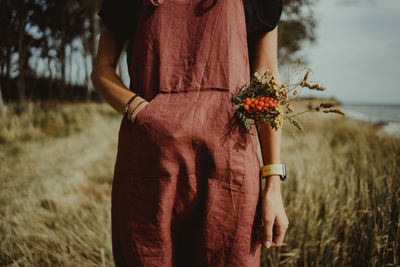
(271, 169)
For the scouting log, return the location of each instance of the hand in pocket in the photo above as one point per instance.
(138, 109)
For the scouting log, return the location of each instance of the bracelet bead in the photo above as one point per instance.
(127, 105)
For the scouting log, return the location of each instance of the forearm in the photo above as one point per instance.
(104, 77)
(265, 57)
(109, 85)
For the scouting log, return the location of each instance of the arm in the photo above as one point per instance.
(104, 76)
(265, 57)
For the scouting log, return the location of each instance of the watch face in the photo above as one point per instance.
(284, 171)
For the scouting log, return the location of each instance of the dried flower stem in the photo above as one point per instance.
(264, 101)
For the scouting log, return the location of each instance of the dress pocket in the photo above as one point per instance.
(143, 112)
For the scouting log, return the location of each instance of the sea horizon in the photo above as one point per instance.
(385, 114)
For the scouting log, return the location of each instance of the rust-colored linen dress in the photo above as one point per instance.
(186, 180)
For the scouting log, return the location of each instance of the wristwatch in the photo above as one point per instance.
(271, 169)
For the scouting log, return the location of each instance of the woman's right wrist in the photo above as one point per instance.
(129, 104)
(136, 107)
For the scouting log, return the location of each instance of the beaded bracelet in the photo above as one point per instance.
(130, 115)
(127, 105)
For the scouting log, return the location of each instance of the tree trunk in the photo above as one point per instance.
(22, 49)
(2, 107)
(85, 49)
(95, 29)
(62, 57)
(8, 61)
(90, 44)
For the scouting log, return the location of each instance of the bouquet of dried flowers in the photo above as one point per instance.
(263, 101)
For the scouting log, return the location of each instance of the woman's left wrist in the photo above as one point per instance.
(273, 181)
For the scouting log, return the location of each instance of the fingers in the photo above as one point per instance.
(280, 230)
(268, 226)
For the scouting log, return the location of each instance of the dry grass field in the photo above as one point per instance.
(342, 195)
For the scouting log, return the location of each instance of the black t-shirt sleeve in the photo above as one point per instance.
(120, 16)
(262, 16)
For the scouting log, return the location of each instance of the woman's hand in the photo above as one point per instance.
(273, 213)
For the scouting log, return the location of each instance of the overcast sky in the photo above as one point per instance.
(357, 52)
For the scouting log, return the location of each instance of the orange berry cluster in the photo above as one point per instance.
(258, 104)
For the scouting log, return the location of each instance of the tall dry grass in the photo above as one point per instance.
(42, 119)
(342, 195)
(55, 176)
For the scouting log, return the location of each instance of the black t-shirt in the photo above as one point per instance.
(261, 16)
(121, 17)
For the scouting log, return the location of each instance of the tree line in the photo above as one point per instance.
(47, 47)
